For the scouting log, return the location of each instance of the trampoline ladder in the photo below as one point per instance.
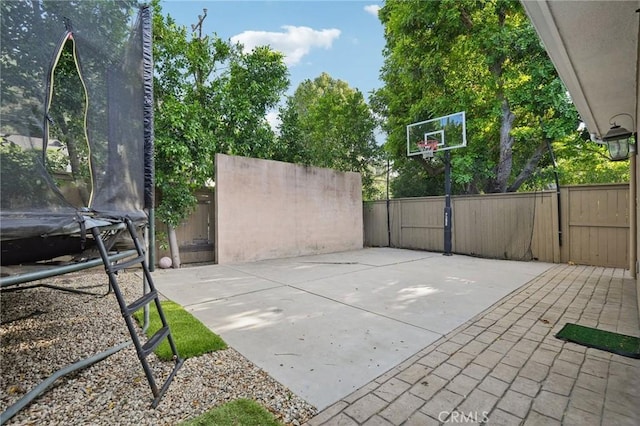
(143, 349)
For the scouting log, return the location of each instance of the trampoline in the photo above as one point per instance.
(76, 147)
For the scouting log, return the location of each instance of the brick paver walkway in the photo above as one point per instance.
(505, 366)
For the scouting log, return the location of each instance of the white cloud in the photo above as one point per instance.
(294, 42)
(372, 9)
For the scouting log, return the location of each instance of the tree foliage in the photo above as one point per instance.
(67, 125)
(210, 97)
(580, 161)
(42, 93)
(482, 57)
(326, 123)
(19, 182)
(39, 24)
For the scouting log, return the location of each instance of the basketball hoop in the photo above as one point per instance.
(427, 148)
(440, 134)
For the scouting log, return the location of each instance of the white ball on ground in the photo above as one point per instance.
(165, 262)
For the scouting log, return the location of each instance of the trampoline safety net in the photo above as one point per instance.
(77, 118)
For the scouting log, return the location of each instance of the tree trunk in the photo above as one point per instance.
(529, 168)
(83, 184)
(431, 169)
(503, 171)
(505, 164)
(472, 187)
(173, 247)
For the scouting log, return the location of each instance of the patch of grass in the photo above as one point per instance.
(241, 412)
(616, 343)
(192, 338)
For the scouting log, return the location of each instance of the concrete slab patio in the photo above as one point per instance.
(327, 325)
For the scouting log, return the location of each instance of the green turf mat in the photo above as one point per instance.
(192, 338)
(620, 344)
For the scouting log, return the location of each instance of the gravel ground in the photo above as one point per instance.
(42, 330)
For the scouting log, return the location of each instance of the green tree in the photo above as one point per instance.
(210, 97)
(21, 184)
(38, 25)
(580, 161)
(66, 115)
(482, 57)
(326, 123)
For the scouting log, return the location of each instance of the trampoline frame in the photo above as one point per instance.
(112, 261)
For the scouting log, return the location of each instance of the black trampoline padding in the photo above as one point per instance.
(28, 250)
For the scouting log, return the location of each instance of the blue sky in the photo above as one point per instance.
(342, 38)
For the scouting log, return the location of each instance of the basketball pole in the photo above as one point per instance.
(388, 213)
(447, 203)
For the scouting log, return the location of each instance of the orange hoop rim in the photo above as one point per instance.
(428, 145)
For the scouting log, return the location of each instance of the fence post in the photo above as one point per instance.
(633, 218)
(555, 226)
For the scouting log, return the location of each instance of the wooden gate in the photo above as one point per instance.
(597, 225)
(196, 235)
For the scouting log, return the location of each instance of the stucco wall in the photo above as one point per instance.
(269, 209)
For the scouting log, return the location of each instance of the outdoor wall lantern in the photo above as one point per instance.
(619, 140)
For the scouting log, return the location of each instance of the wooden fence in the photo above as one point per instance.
(586, 225)
(593, 225)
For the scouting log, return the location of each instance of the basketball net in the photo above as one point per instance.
(427, 148)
